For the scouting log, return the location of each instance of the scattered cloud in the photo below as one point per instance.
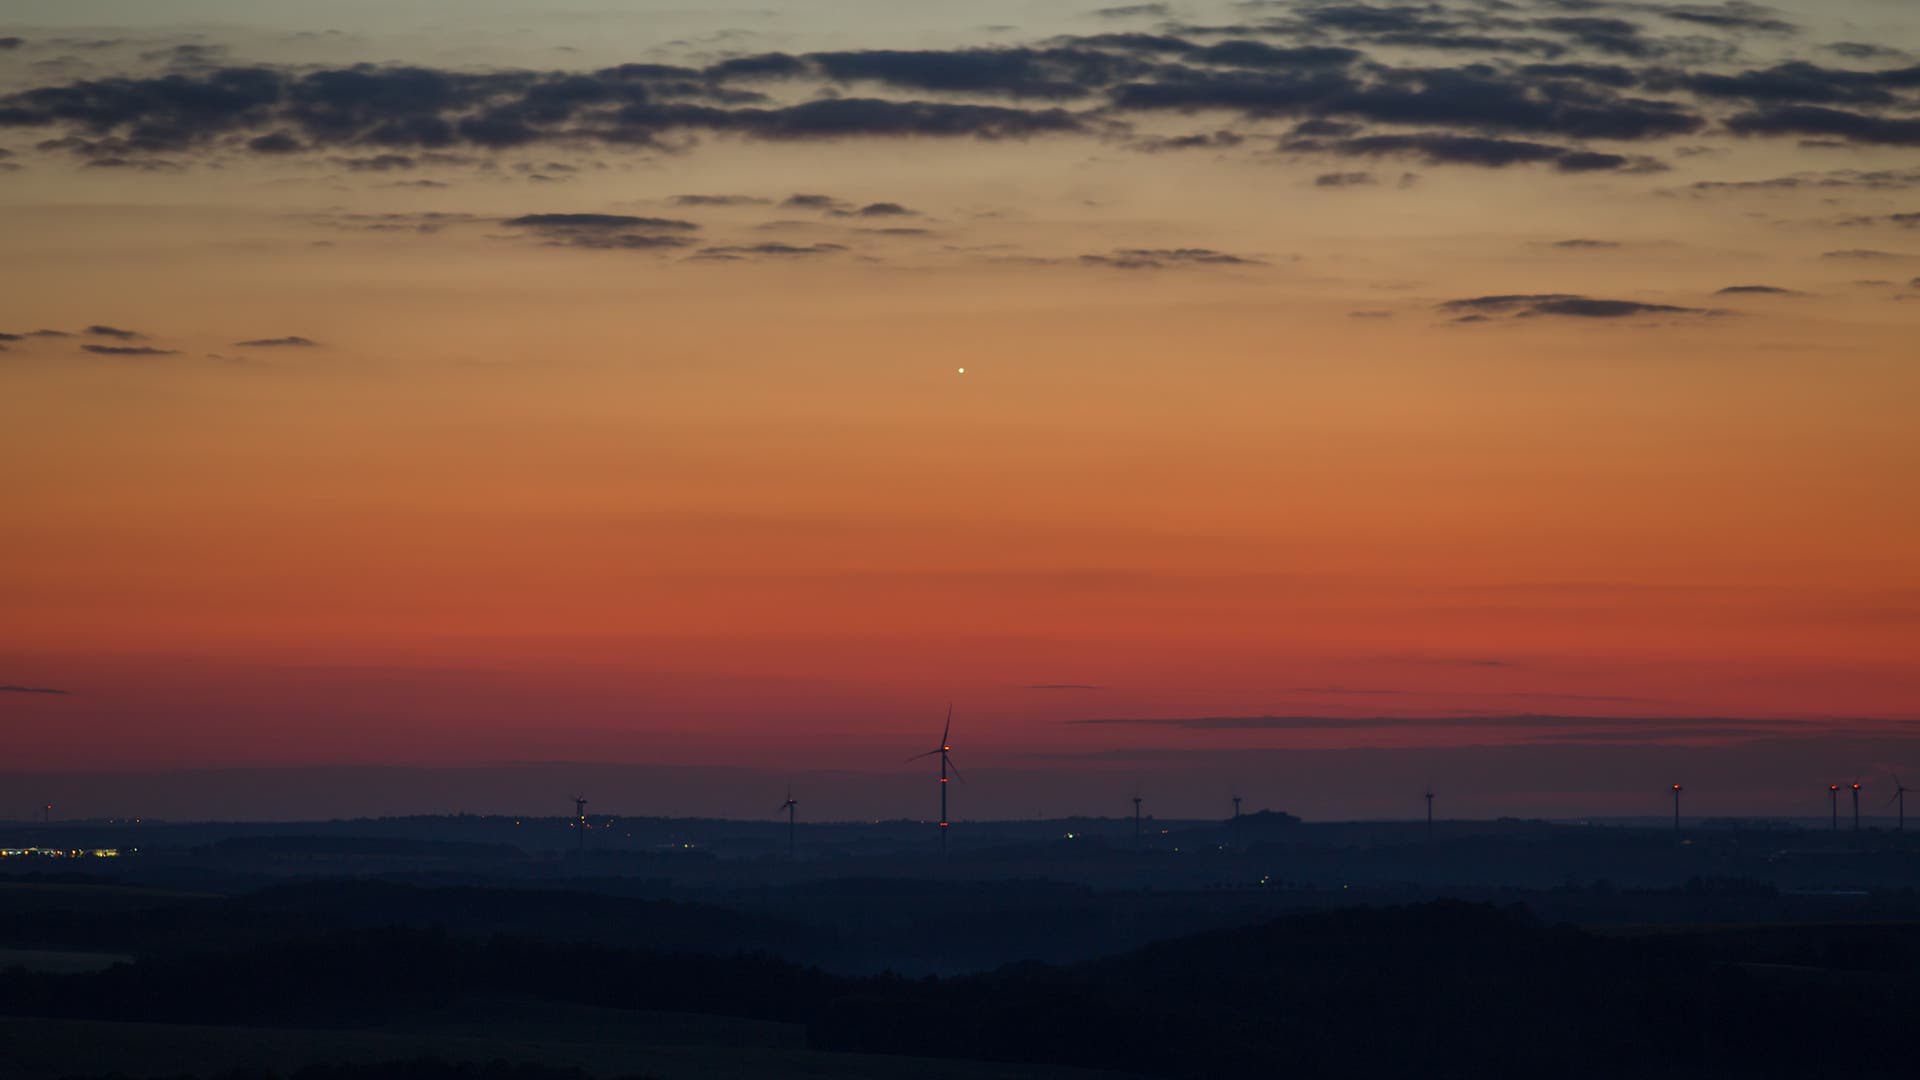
(744, 251)
(597, 222)
(1163, 258)
(98, 330)
(1755, 290)
(292, 340)
(1479, 308)
(31, 690)
(129, 350)
(717, 200)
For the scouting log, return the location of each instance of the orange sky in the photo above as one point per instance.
(521, 483)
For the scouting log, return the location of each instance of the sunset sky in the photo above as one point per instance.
(473, 383)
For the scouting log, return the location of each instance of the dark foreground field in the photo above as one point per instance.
(371, 981)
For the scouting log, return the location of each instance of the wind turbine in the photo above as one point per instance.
(1429, 797)
(946, 766)
(1833, 796)
(1676, 809)
(1236, 821)
(580, 819)
(790, 806)
(1136, 821)
(1900, 796)
(1856, 806)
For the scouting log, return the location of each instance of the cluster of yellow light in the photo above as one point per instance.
(59, 853)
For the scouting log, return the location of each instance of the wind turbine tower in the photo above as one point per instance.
(790, 806)
(580, 820)
(1136, 823)
(1833, 796)
(1856, 806)
(946, 767)
(1429, 796)
(1236, 821)
(1900, 797)
(1676, 809)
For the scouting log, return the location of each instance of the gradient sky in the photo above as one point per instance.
(459, 384)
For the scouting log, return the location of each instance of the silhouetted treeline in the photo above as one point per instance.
(1438, 990)
(357, 976)
(173, 924)
(1441, 990)
(413, 1069)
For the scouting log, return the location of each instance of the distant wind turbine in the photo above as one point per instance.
(1236, 821)
(1676, 809)
(580, 820)
(1429, 798)
(1900, 796)
(790, 806)
(946, 766)
(1856, 806)
(1833, 796)
(1136, 822)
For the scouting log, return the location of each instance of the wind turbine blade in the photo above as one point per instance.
(917, 757)
(955, 770)
(948, 730)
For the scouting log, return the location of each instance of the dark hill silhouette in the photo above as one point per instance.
(1438, 991)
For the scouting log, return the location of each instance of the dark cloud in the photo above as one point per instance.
(11, 42)
(1583, 244)
(1860, 50)
(1563, 304)
(292, 340)
(48, 333)
(717, 200)
(403, 110)
(773, 250)
(377, 163)
(1480, 99)
(1823, 122)
(1754, 290)
(129, 350)
(1866, 179)
(1478, 150)
(813, 202)
(1128, 11)
(603, 241)
(1255, 54)
(1163, 258)
(427, 221)
(610, 222)
(1343, 179)
(1861, 253)
(98, 330)
(1802, 83)
(1616, 37)
(1552, 74)
(1730, 16)
(881, 209)
(1058, 72)
(1212, 140)
(31, 689)
(276, 142)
